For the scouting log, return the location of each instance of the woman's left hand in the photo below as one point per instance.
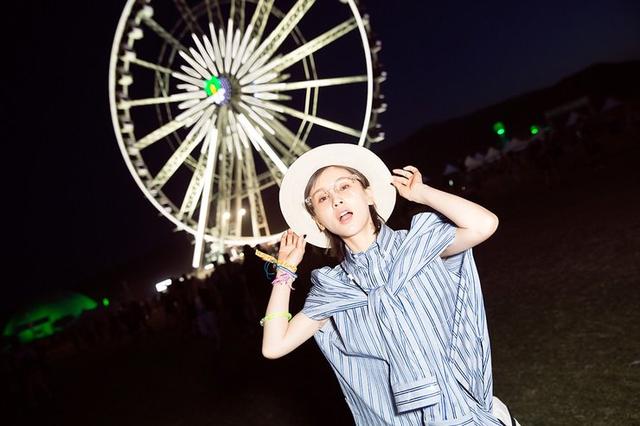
(408, 181)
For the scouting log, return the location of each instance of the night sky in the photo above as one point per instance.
(74, 209)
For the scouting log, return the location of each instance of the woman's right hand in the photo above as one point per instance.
(291, 248)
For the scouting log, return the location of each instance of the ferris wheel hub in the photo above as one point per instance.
(220, 87)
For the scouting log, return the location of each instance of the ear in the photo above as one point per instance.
(369, 194)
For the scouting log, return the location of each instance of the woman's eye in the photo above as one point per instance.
(345, 186)
(322, 198)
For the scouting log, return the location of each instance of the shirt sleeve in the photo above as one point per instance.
(316, 301)
(330, 294)
(429, 235)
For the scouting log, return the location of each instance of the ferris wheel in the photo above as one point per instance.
(211, 101)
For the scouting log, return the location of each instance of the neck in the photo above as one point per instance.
(363, 239)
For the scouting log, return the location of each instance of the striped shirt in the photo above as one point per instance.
(407, 338)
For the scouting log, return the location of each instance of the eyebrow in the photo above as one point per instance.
(348, 176)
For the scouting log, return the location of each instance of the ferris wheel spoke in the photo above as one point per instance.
(211, 55)
(302, 116)
(257, 211)
(217, 9)
(213, 136)
(159, 133)
(240, 51)
(306, 49)
(295, 145)
(222, 40)
(163, 34)
(297, 85)
(193, 138)
(187, 16)
(178, 97)
(206, 54)
(275, 39)
(217, 50)
(253, 115)
(149, 65)
(195, 109)
(259, 19)
(225, 175)
(238, 189)
(187, 79)
(235, 128)
(267, 96)
(195, 66)
(275, 140)
(237, 13)
(281, 148)
(229, 46)
(190, 200)
(257, 139)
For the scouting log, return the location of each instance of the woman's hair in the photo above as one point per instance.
(336, 245)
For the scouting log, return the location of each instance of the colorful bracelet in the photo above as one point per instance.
(283, 280)
(275, 315)
(268, 258)
(286, 271)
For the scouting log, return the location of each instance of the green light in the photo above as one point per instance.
(105, 302)
(534, 130)
(501, 132)
(498, 127)
(44, 319)
(212, 85)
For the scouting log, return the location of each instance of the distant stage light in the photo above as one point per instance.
(162, 286)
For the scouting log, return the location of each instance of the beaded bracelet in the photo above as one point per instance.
(275, 315)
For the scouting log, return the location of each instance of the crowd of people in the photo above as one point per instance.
(557, 146)
(223, 305)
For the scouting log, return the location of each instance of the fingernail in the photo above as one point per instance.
(304, 236)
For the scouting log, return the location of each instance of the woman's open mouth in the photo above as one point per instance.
(345, 217)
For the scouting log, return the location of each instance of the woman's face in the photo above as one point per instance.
(341, 204)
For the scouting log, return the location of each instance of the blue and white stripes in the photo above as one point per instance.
(407, 338)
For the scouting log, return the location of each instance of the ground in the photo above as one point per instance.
(560, 280)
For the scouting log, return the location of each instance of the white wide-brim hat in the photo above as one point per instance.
(334, 154)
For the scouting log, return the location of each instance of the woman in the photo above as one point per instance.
(401, 319)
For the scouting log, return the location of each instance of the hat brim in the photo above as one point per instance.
(335, 154)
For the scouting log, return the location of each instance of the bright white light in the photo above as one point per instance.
(242, 212)
(226, 215)
(208, 266)
(162, 286)
(450, 182)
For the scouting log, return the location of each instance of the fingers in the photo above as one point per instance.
(291, 239)
(399, 180)
(300, 243)
(402, 172)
